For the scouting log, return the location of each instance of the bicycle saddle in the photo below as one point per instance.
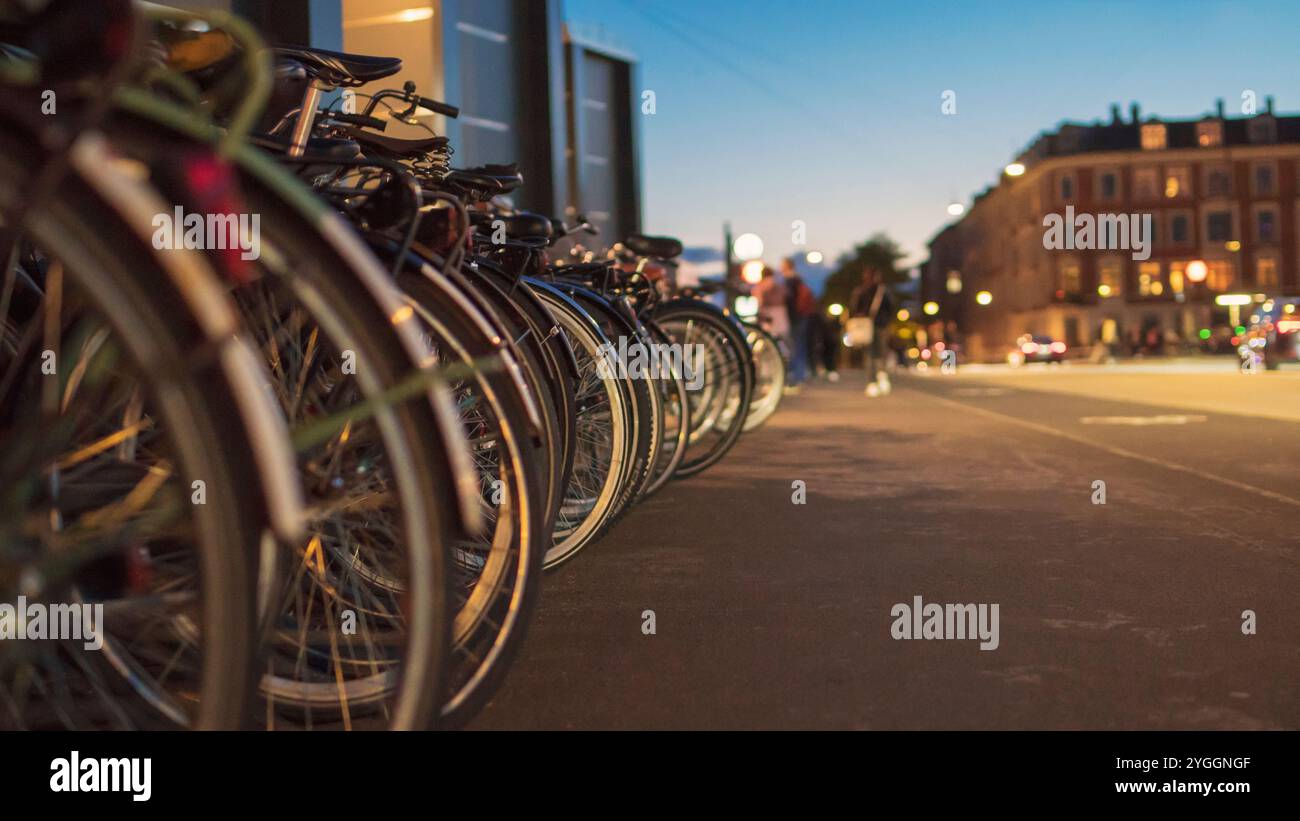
(341, 70)
(526, 224)
(394, 146)
(647, 246)
(488, 180)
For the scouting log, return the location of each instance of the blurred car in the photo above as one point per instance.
(1030, 348)
(1275, 328)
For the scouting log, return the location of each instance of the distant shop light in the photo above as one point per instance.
(930, 308)
(836, 309)
(746, 306)
(752, 271)
(1233, 299)
(904, 315)
(984, 298)
(1197, 270)
(1015, 169)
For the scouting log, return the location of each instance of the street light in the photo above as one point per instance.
(747, 247)
(930, 308)
(814, 257)
(835, 309)
(904, 315)
(956, 209)
(954, 282)
(752, 271)
(1197, 270)
(984, 297)
(1015, 169)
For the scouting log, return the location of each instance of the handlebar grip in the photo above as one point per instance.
(360, 120)
(445, 109)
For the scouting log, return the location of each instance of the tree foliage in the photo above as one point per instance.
(879, 251)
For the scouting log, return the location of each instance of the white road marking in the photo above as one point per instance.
(1164, 419)
(1121, 452)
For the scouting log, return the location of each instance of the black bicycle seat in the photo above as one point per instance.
(487, 180)
(394, 146)
(520, 225)
(340, 70)
(647, 246)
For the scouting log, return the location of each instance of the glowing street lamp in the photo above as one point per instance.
(747, 247)
(814, 257)
(836, 309)
(984, 298)
(752, 271)
(930, 308)
(954, 282)
(1197, 270)
(1015, 169)
(904, 315)
(956, 209)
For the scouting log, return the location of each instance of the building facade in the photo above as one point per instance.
(561, 104)
(1221, 196)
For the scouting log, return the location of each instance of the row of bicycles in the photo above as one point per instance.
(294, 413)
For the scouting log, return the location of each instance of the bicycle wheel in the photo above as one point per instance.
(358, 625)
(676, 419)
(769, 376)
(645, 433)
(603, 430)
(128, 482)
(725, 378)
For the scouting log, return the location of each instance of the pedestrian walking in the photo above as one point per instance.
(869, 310)
(773, 314)
(801, 306)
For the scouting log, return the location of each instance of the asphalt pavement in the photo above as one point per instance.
(973, 488)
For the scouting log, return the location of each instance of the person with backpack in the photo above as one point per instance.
(802, 308)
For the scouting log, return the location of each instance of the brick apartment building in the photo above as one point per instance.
(1220, 190)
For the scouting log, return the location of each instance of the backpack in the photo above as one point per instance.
(805, 302)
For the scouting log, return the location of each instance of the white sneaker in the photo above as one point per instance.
(873, 390)
(882, 379)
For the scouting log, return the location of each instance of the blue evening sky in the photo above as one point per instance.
(828, 111)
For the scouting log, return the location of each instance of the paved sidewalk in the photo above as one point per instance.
(776, 615)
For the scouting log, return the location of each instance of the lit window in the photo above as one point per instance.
(1149, 280)
(1219, 275)
(1153, 137)
(1178, 181)
(1209, 133)
(1176, 270)
(1266, 273)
